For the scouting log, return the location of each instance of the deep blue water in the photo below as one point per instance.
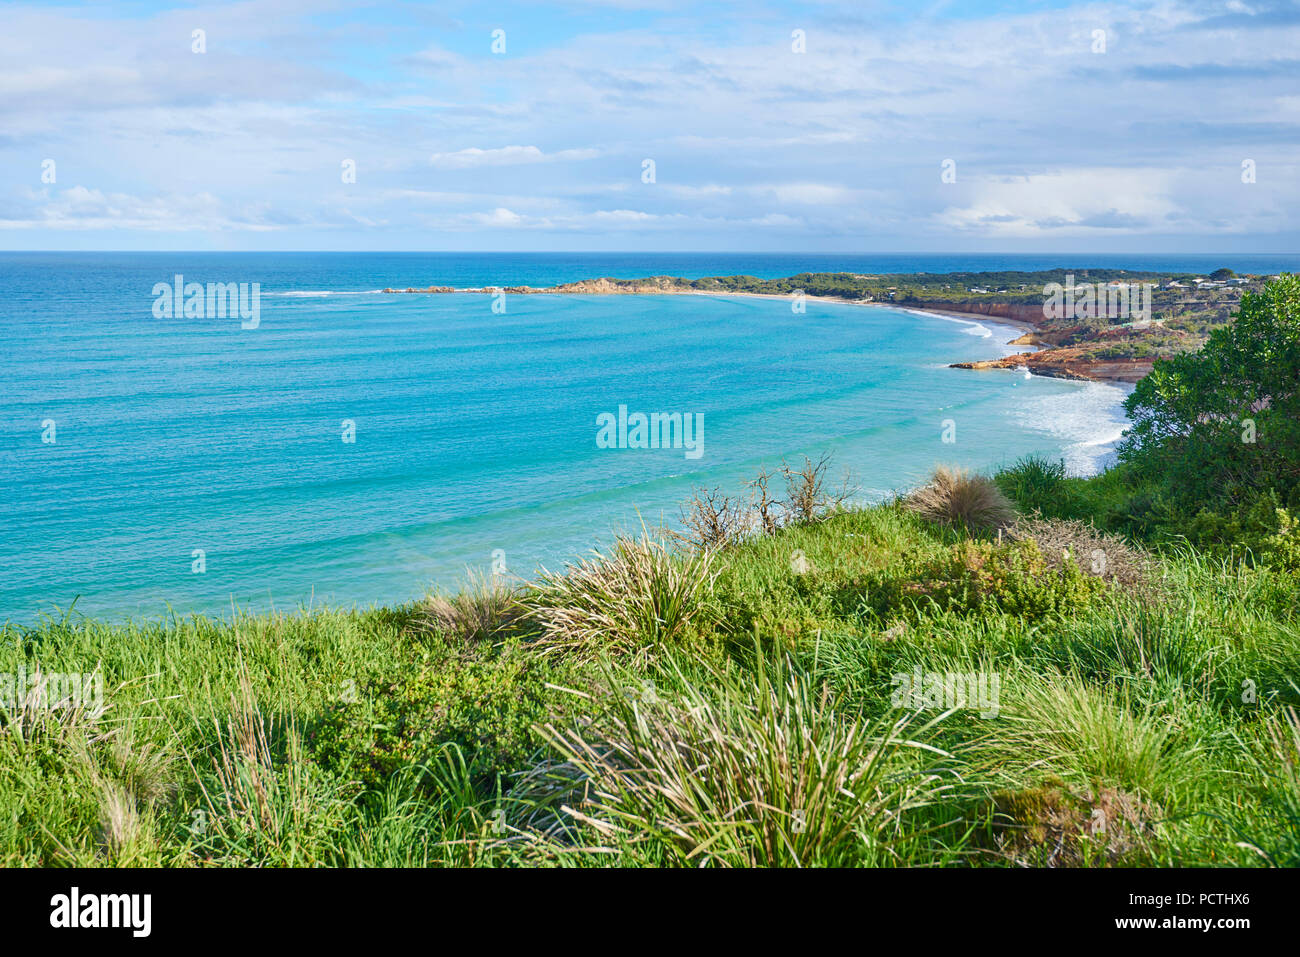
(474, 431)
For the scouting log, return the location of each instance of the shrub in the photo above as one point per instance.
(634, 601)
(956, 498)
(1013, 578)
(484, 707)
(713, 519)
(807, 498)
(1096, 553)
(1222, 424)
(1260, 530)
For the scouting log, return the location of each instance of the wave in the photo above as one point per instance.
(1087, 421)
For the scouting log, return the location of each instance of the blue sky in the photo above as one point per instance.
(1055, 144)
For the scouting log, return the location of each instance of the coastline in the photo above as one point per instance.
(1042, 360)
(600, 288)
(1057, 336)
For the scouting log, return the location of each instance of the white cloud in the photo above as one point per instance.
(500, 217)
(1069, 201)
(82, 208)
(844, 141)
(505, 156)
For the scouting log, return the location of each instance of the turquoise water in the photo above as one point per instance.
(475, 432)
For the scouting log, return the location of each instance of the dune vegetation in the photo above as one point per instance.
(1024, 669)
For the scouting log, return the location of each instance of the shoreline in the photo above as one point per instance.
(1019, 325)
(1041, 359)
(1049, 345)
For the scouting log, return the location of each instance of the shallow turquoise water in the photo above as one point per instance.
(475, 431)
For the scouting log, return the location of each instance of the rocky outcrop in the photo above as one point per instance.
(1067, 364)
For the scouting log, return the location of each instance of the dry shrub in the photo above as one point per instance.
(478, 612)
(634, 600)
(961, 499)
(1096, 553)
(712, 519)
(716, 520)
(1052, 826)
(807, 497)
(765, 507)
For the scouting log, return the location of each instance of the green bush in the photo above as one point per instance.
(978, 576)
(1222, 425)
(484, 707)
(1262, 530)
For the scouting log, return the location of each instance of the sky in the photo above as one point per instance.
(929, 126)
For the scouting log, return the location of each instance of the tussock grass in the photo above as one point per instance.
(960, 499)
(634, 601)
(751, 769)
(1034, 483)
(484, 608)
(1276, 759)
(1084, 734)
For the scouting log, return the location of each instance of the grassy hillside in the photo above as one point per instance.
(675, 706)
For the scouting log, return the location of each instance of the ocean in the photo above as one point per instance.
(354, 448)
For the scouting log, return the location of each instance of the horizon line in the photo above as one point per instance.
(642, 252)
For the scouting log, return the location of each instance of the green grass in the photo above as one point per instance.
(661, 708)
